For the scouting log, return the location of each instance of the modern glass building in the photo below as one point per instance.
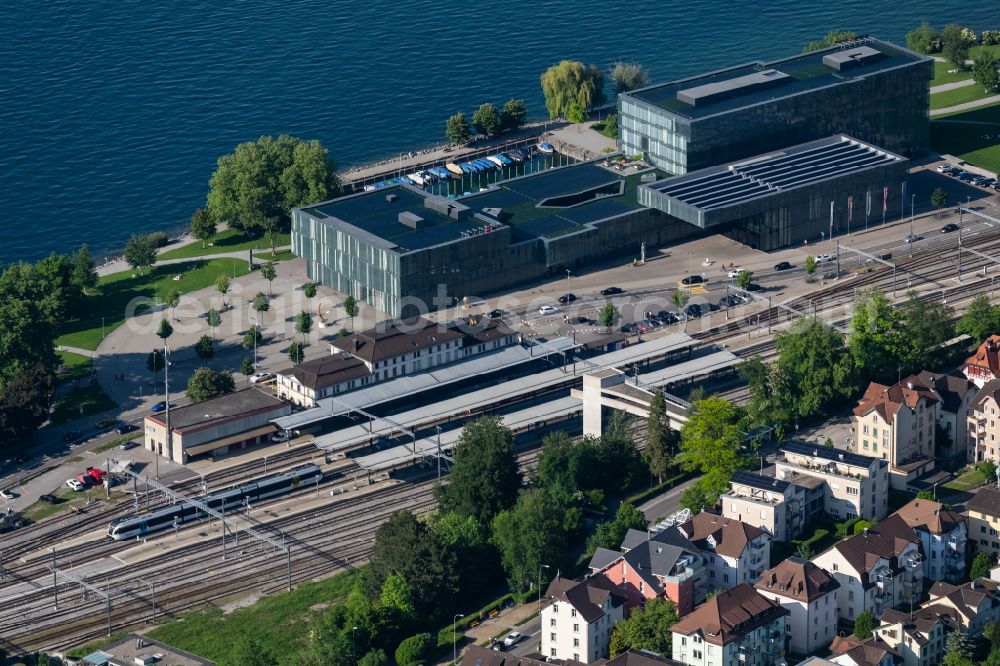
(822, 188)
(872, 90)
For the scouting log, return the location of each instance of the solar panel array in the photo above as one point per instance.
(741, 182)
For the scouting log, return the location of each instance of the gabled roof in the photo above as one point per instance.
(639, 658)
(987, 357)
(930, 516)
(869, 652)
(888, 400)
(951, 387)
(886, 540)
(725, 536)
(985, 500)
(603, 557)
(730, 615)
(587, 596)
(659, 555)
(797, 579)
(327, 371)
(968, 598)
(477, 655)
(991, 389)
(396, 338)
(919, 625)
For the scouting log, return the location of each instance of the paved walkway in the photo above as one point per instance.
(119, 265)
(967, 105)
(77, 350)
(951, 86)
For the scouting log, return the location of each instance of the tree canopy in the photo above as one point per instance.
(661, 441)
(571, 81)
(202, 225)
(984, 71)
(457, 129)
(512, 114)
(922, 39)
(611, 533)
(268, 177)
(140, 252)
(626, 76)
(814, 366)
(712, 443)
(980, 320)
(647, 628)
(864, 625)
(529, 535)
(954, 45)
(206, 383)
(486, 119)
(608, 315)
(205, 347)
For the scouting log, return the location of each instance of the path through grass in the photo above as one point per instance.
(230, 240)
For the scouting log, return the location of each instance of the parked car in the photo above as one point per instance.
(944, 168)
(978, 180)
(693, 311)
(611, 291)
(989, 182)
(280, 436)
(753, 286)
(495, 314)
(691, 279)
(948, 228)
(125, 446)
(628, 329)
(667, 317)
(735, 272)
(967, 176)
(261, 377)
(124, 427)
(567, 298)
(824, 258)
(783, 266)
(160, 406)
(580, 320)
(912, 238)
(6, 494)
(51, 499)
(512, 639)
(547, 310)
(730, 301)
(75, 485)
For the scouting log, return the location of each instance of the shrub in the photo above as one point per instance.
(159, 238)
(413, 650)
(990, 37)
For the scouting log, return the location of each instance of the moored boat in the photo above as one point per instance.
(417, 178)
(496, 160)
(546, 148)
(454, 168)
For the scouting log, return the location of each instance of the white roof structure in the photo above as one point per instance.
(695, 367)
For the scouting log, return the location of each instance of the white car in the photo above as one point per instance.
(735, 273)
(547, 310)
(281, 436)
(261, 377)
(824, 258)
(511, 639)
(75, 485)
(6, 494)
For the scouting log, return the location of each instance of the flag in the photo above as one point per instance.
(885, 199)
(868, 203)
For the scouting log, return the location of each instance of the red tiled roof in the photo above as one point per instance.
(930, 515)
(730, 536)
(887, 400)
(798, 579)
(730, 615)
(987, 357)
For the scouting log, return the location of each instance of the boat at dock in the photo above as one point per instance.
(466, 168)
(504, 160)
(416, 178)
(454, 168)
(496, 160)
(514, 156)
(546, 148)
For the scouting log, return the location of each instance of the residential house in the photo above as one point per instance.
(853, 484)
(733, 551)
(736, 626)
(390, 350)
(774, 505)
(942, 535)
(577, 621)
(849, 651)
(878, 569)
(983, 424)
(976, 603)
(896, 423)
(663, 564)
(984, 366)
(809, 594)
(477, 655)
(917, 637)
(956, 393)
(983, 513)
(639, 658)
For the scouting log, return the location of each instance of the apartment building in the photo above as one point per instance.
(849, 651)
(878, 569)
(390, 350)
(917, 637)
(956, 393)
(774, 505)
(976, 603)
(984, 366)
(983, 514)
(737, 626)
(809, 594)
(733, 552)
(577, 620)
(853, 484)
(896, 423)
(983, 424)
(663, 564)
(942, 535)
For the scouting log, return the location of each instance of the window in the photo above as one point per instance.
(552, 652)
(552, 622)
(576, 642)
(576, 656)
(576, 628)
(836, 567)
(572, 612)
(552, 636)
(684, 640)
(696, 653)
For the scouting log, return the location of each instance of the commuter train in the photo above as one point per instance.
(255, 491)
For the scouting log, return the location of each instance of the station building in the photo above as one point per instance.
(216, 426)
(873, 90)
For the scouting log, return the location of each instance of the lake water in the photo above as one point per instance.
(112, 113)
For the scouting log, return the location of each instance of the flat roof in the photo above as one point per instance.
(133, 647)
(759, 481)
(752, 83)
(827, 453)
(762, 176)
(694, 367)
(220, 408)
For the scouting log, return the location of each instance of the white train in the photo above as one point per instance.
(164, 518)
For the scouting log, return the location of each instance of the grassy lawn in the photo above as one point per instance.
(280, 622)
(941, 74)
(112, 443)
(965, 482)
(74, 366)
(822, 535)
(93, 399)
(39, 510)
(987, 112)
(968, 140)
(230, 240)
(961, 95)
(608, 131)
(113, 293)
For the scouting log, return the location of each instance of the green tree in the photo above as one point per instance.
(486, 119)
(512, 115)
(84, 271)
(204, 348)
(268, 272)
(660, 439)
(877, 341)
(576, 114)
(744, 279)
(939, 198)
(213, 319)
(414, 650)
(222, 286)
(571, 81)
(246, 366)
(987, 468)
(712, 443)
(980, 320)
(165, 330)
(309, 291)
(205, 383)
(810, 267)
(610, 534)
(350, 308)
(922, 39)
(616, 450)
(927, 323)
(984, 71)
(958, 648)
(202, 226)
(701, 494)
(24, 403)
(954, 47)
(172, 299)
(771, 398)
(296, 352)
(679, 298)
(804, 551)
(140, 253)
(267, 178)
(34, 303)
(485, 477)
(814, 369)
(626, 76)
(864, 625)
(374, 658)
(925, 495)
(528, 535)
(252, 337)
(647, 628)
(248, 651)
(608, 315)
(396, 593)
(303, 324)
(271, 227)
(833, 37)
(980, 566)
(477, 561)
(457, 130)
(565, 467)
(260, 303)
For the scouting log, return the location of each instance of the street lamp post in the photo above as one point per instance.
(354, 654)
(540, 567)
(454, 636)
(253, 321)
(913, 200)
